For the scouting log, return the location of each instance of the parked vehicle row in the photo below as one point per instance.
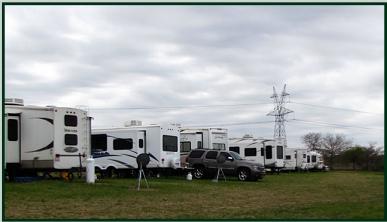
(49, 139)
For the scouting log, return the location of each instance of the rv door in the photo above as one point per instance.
(141, 142)
(12, 151)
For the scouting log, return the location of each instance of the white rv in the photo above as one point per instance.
(250, 148)
(302, 159)
(203, 138)
(315, 161)
(295, 159)
(45, 138)
(116, 149)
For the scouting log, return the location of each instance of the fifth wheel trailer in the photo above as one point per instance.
(268, 152)
(45, 139)
(201, 138)
(303, 159)
(116, 149)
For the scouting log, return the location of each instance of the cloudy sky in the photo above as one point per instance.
(204, 65)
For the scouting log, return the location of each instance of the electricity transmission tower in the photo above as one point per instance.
(279, 113)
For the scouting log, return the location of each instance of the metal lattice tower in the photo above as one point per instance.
(279, 113)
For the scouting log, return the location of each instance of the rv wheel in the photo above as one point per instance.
(98, 173)
(198, 172)
(70, 176)
(243, 174)
(112, 172)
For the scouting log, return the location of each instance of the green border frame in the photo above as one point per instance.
(198, 3)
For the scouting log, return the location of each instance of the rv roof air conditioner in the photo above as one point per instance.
(14, 101)
(133, 123)
(246, 136)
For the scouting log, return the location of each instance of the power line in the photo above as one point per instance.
(337, 108)
(179, 106)
(226, 106)
(334, 124)
(228, 124)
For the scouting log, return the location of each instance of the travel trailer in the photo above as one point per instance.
(295, 159)
(315, 161)
(201, 138)
(45, 138)
(250, 148)
(302, 159)
(115, 149)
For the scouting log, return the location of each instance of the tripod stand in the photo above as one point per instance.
(141, 174)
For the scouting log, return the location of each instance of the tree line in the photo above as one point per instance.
(340, 152)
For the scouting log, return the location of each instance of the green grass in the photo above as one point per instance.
(331, 195)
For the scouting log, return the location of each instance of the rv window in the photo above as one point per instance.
(280, 152)
(170, 143)
(200, 145)
(99, 142)
(288, 157)
(251, 152)
(70, 120)
(314, 159)
(304, 156)
(141, 143)
(269, 152)
(196, 154)
(308, 159)
(262, 152)
(185, 146)
(122, 144)
(234, 148)
(71, 139)
(211, 155)
(13, 133)
(219, 146)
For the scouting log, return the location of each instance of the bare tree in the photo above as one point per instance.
(334, 145)
(313, 141)
(371, 154)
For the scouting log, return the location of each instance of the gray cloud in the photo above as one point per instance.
(131, 56)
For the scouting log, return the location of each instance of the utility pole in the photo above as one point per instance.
(279, 113)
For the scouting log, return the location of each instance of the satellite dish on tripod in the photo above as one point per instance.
(142, 161)
(221, 159)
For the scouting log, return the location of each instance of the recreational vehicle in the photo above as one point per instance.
(302, 159)
(201, 138)
(116, 149)
(45, 138)
(296, 159)
(268, 152)
(315, 161)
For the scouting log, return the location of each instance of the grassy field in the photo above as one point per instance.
(331, 195)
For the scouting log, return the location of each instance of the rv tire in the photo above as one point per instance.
(98, 172)
(112, 172)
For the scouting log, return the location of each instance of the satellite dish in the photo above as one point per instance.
(221, 159)
(142, 160)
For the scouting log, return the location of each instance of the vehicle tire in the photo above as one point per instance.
(112, 172)
(198, 172)
(98, 173)
(70, 176)
(243, 174)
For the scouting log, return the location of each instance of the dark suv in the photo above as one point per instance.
(206, 162)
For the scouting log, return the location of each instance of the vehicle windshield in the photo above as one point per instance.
(235, 155)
